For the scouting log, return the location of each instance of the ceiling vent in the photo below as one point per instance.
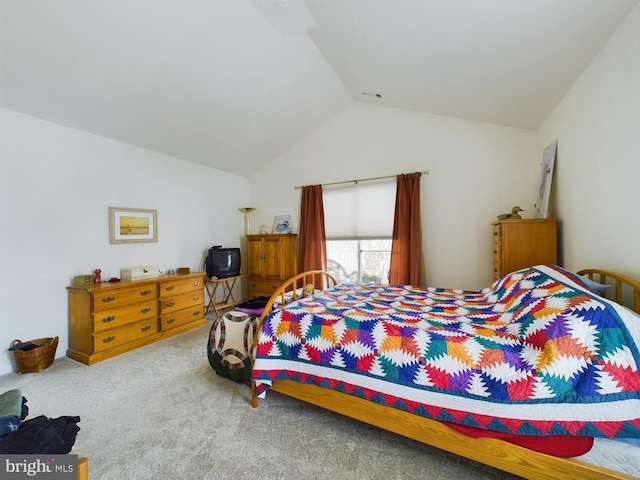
(372, 94)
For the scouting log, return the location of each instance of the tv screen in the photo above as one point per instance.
(223, 262)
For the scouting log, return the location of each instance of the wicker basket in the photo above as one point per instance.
(36, 359)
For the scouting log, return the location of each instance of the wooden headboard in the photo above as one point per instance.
(624, 290)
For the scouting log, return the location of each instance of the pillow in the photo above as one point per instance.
(594, 286)
(10, 411)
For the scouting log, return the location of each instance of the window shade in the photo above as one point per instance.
(364, 210)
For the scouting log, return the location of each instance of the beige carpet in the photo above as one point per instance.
(161, 412)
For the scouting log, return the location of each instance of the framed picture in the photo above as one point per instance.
(132, 225)
(546, 174)
(282, 224)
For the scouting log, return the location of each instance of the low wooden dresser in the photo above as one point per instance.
(108, 319)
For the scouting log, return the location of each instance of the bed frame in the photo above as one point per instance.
(493, 452)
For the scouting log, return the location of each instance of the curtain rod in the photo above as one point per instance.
(424, 172)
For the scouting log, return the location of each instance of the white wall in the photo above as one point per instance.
(597, 125)
(56, 186)
(477, 172)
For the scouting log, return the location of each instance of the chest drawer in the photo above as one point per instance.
(180, 285)
(496, 252)
(110, 298)
(262, 287)
(180, 317)
(116, 337)
(178, 302)
(115, 317)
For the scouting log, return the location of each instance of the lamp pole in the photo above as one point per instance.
(247, 221)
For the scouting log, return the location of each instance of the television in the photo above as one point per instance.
(223, 262)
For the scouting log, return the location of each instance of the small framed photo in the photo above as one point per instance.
(282, 224)
(132, 225)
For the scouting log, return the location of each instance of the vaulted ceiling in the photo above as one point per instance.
(232, 83)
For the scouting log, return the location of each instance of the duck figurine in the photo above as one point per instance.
(514, 213)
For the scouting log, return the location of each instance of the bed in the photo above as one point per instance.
(511, 307)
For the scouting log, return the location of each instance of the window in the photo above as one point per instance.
(359, 260)
(358, 227)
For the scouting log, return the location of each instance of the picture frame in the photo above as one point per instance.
(541, 206)
(282, 224)
(132, 225)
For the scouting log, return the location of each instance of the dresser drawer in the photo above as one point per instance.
(174, 319)
(180, 285)
(263, 287)
(496, 252)
(497, 270)
(116, 317)
(110, 298)
(116, 337)
(178, 302)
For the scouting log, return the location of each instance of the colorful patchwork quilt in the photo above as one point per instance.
(536, 353)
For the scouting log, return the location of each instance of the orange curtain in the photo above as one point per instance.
(407, 235)
(312, 247)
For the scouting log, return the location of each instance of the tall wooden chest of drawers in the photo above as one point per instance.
(521, 243)
(108, 319)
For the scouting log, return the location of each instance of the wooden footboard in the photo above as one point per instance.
(493, 452)
(296, 287)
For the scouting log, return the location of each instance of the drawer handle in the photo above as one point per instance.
(145, 292)
(196, 298)
(168, 289)
(108, 299)
(171, 304)
(171, 320)
(108, 339)
(196, 283)
(146, 328)
(109, 319)
(195, 314)
(145, 310)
